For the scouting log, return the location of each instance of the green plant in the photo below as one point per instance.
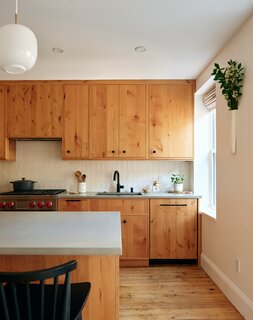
(230, 79)
(177, 178)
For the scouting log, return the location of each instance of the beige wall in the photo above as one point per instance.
(231, 235)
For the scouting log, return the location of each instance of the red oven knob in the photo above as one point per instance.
(2, 204)
(32, 204)
(41, 204)
(10, 204)
(49, 204)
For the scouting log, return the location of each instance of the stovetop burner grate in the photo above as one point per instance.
(34, 192)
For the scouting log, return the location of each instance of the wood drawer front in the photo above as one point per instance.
(171, 202)
(73, 205)
(125, 206)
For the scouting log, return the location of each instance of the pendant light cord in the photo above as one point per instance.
(16, 12)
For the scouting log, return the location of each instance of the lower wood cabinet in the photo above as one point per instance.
(134, 238)
(151, 228)
(134, 224)
(173, 229)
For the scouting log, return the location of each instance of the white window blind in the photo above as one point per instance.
(209, 99)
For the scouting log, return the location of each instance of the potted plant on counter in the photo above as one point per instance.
(177, 179)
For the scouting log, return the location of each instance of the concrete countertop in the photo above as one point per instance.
(151, 195)
(60, 233)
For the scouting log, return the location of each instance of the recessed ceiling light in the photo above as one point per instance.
(57, 50)
(140, 49)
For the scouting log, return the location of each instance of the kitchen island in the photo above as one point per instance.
(37, 240)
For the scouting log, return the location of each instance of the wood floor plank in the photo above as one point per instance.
(175, 292)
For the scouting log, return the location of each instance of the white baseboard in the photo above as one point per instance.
(242, 303)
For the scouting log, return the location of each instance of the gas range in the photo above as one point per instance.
(34, 200)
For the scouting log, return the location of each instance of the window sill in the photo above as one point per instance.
(210, 212)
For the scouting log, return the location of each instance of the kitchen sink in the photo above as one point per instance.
(107, 193)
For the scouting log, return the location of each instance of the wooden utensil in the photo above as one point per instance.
(78, 175)
(83, 177)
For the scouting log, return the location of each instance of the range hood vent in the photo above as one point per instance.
(36, 139)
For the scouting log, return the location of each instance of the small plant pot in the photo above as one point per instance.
(178, 187)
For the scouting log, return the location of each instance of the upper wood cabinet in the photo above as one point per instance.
(34, 110)
(76, 122)
(104, 124)
(132, 121)
(171, 120)
(118, 121)
(7, 147)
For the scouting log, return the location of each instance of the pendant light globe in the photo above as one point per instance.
(19, 48)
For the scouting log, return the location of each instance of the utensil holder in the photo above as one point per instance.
(82, 187)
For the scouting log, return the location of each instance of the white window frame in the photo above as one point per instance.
(205, 148)
(213, 159)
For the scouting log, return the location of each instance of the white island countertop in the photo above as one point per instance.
(60, 233)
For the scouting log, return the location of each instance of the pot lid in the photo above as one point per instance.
(23, 180)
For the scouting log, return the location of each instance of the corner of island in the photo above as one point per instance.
(38, 240)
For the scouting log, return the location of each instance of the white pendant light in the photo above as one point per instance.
(19, 47)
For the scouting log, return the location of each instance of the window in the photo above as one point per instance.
(209, 101)
(205, 148)
(213, 158)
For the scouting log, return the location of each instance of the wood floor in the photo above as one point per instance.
(173, 292)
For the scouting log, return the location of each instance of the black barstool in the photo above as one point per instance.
(22, 299)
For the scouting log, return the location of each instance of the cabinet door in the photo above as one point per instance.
(134, 227)
(21, 110)
(173, 229)
(73, 205)
(76, 122)
(49, 107)
(171, 121)
(34, 110)
(104, 121)
(7, 147)
(134, 236)
(132, 121)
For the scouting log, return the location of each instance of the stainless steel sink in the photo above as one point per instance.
(105, 193)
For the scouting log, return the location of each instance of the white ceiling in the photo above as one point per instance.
(99, 36)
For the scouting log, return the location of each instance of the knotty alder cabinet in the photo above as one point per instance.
(171, 120)
(33, 110)
(7, 147)
(134, 224)
(173, 229)
(118, 121)
(75, 139)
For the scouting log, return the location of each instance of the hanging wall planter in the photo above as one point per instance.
(230, 79)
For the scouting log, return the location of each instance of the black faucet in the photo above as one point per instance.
(119, 186)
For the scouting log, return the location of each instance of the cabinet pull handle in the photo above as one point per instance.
(72, 200)
(68, 151)
(124, 221)
(154, 151)
(113, 151)
(173, 205)
(124, 151)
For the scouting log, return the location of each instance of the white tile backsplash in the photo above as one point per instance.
(41, 161)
